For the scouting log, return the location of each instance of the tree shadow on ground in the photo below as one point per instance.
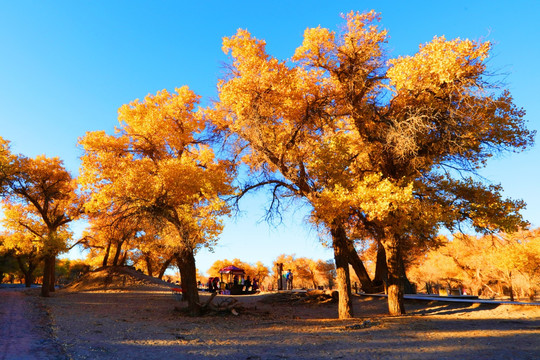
(440, 308)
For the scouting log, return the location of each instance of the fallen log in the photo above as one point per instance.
(220, 305)
(208, 302)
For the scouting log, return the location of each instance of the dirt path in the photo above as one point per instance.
(24, 329)
(142, 324)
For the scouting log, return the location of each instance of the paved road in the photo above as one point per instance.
(24, 329)
(461, 299)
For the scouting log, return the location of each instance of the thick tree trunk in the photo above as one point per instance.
(358, 266)
(28, 271)
(117, 253)
(45, 286)
(29, 276)
(532, 294)
(339, 239)
(165, 266)
(511, 287)
(188, 273)
(123, 259)
(408, 287)
(148, 265)
(395, 281)
(52, 274)
(107, 252)
(381, 268)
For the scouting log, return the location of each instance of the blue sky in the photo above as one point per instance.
(67, 66)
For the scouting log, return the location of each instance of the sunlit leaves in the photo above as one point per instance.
(308, 273)
(446, 110)
(440, 66)
(41, 199)
(371, 142)
(480, 263)
(375, 196)
(159, 164)
(6, 162)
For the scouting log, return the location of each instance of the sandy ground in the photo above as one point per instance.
(141, 323)
(25, 331)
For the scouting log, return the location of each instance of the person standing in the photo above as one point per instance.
(289, 278)
(247, 285)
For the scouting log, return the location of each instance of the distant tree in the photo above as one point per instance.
(154, 251)
(114, 238)
(21, 245)
(109, 234)
(261, 272)
(517, 255)
(7, 164)
(483, 264)
(8, 262)
(435, 268)
(327, 273)
(213, 271)
(527, 259)
(257, 270)
(69, 270)
(308, 273)
(45, 197)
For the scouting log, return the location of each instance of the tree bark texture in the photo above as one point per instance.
(381, 269)
(45, 286)
(107, 252)
(28, 271)
(123, 259)
(52, 274)
(188, 273)
(164, 267)
(149, 265)
(117, 253)
(29, 276)
(408, 287)
(511, 287)
(358, 266)
(339, 239)
(394, 262)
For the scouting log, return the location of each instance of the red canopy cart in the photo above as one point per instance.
(232, 279)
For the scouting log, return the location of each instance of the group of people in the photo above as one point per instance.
(247, 285)
(214, 284)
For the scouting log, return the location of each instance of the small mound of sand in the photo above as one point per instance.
(310, 297)
(109, 278)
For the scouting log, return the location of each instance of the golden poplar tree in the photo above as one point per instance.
(22, 245)
(159, 165)
(373, 144)
(41, 199)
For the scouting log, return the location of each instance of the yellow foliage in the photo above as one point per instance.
(477, 262)
(41, 200)
(308, 273)
(440, 66)
(156, 165)
(366, 140)
(258, 271)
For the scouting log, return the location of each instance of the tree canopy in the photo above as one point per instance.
(159, 165)
(382, 149)
(40, 199)
(378, 145)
